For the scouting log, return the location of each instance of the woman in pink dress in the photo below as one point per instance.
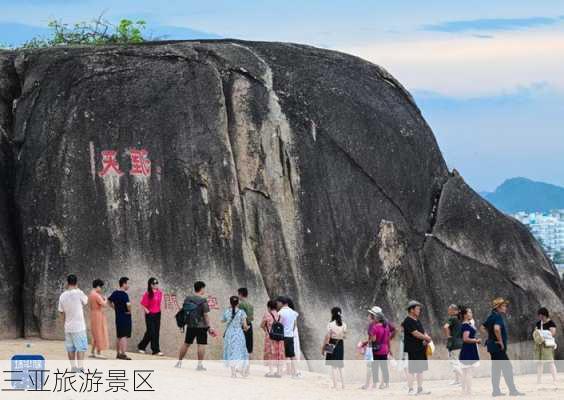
(98, 324)
(273, 349)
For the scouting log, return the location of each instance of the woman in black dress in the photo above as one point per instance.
(333, 348)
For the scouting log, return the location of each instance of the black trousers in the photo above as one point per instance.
(153, 323)
(249, 338)
(380, 362)
(501, 364)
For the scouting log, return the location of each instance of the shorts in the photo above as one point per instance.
(454, 360)
(289, 350)
(200, 334)
(417, 362)
(123, 330)
(249, 339)
(76, 342)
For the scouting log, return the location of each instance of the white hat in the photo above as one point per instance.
(375, 310)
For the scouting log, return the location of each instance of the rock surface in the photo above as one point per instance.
(11, 278)
(281, 167)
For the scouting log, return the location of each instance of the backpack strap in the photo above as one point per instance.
(274, 319)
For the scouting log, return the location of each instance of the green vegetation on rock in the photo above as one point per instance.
(96, 32)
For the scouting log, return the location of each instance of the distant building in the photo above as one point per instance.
(548, 228)
(560, 268)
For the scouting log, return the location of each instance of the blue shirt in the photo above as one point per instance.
(495, 318)
(120, 299)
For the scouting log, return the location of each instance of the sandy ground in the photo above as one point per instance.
(216, 382)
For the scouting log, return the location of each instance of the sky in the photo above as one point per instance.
(487, 75)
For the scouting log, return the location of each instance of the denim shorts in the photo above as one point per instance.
(76, 342)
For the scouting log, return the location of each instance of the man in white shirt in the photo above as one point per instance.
(71, 304)
(288, 318)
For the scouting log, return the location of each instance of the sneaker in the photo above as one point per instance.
(411, 392)
(200, 367)
(516, 393)
(141, 351)
(422, 392)
(454, 383)
(178, 364)
(498, 394)
(160, 354)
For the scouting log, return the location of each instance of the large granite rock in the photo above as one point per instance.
(11, 317)
(284, 168)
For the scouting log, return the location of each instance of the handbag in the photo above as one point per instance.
(329, 348)
(430, 349)
(547, 338)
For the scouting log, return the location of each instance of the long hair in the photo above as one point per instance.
(234, 301)
(149, 288)
(336, 316)
(462, 312)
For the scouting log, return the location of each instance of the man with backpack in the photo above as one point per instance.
(195, 310)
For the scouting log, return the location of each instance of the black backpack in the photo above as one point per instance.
(180, 318)
(276, 330)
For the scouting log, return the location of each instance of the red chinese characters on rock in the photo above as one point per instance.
(110, 163)
(213, 303)
(170, 302)
(140, 164)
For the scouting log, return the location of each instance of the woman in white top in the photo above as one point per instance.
(333, 347)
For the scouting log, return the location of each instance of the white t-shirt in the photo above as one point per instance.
(71, 303)
(287, 318)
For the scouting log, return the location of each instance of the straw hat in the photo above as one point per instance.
(499, 301)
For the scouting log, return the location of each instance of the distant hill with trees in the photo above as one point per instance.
(522, 194)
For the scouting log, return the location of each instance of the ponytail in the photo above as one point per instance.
(234, 301)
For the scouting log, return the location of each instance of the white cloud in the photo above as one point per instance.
(470, 66)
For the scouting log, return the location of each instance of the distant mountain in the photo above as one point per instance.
(521, 194)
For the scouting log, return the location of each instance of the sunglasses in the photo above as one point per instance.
(155, 283)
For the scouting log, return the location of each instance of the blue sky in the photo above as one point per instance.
(486, 74)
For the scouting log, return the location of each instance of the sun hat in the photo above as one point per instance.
(413, 303)
(375, 310)
(499, 301)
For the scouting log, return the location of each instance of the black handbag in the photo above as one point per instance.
(329, 348)
(376, 346)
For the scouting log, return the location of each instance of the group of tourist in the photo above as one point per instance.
(278, 323)
(281, 339)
